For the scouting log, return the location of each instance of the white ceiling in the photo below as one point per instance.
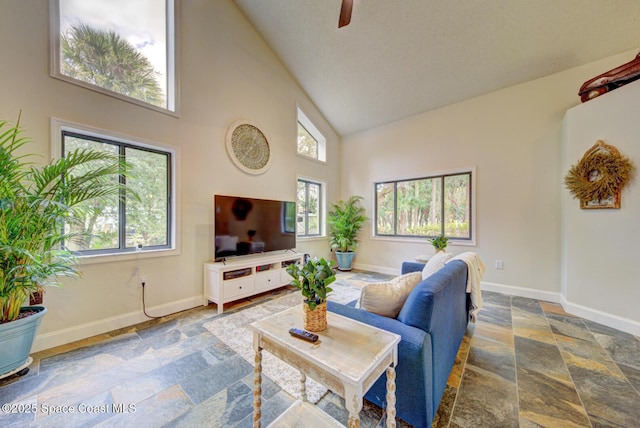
(399, 58)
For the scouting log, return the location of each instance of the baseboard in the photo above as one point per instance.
(72, 334)
(530, 293)
(614, 321)
(610, 320)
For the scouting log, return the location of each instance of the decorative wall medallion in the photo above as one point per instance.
(248, 147)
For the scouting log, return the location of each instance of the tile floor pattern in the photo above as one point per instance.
(524, 363)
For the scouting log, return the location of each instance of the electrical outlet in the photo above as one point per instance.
(499, 264)
(144, 280)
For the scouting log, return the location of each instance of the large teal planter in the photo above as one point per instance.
(16, 338)
(345, 259)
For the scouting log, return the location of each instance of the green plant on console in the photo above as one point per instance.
(439, 242)
(36, 202)
(345, 219)
(312, 279)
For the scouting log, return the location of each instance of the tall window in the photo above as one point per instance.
(127, 223)
(425, 207)
(121, 47)
(311, 143)
(309, 204)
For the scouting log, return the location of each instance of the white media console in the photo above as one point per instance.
(246, 276)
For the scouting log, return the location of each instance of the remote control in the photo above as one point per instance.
(304, 335)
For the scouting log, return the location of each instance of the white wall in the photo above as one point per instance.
(513, 137)
(227, 73)
(599, 251)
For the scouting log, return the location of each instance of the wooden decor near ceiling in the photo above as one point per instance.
(345, 13)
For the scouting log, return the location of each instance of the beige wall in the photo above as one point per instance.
(513, 138)
(600, 268)
(227, 73)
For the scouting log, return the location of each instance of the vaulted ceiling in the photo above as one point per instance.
(399, 58)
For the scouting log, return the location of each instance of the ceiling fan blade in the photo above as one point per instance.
(345, 13)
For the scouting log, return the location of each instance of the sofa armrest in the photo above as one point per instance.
(411, 267)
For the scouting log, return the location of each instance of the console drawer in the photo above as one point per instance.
(237, 288)
(267, 280)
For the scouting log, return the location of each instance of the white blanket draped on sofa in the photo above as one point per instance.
(476, 270)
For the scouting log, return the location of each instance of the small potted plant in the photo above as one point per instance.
(345, 219)
(312, 279)
(439, 243)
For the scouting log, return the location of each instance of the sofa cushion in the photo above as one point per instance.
(435, 263)
(387, 298)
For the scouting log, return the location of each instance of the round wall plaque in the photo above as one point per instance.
(248, 147)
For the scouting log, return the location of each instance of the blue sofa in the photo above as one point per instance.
(432, 323)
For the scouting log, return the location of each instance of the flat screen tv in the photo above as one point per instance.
(249, 226)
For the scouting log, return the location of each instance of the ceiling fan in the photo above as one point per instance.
(345, 13)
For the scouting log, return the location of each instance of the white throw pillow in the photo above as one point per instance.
(387, 298)
(435, 263)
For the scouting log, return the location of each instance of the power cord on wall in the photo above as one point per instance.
(144, 306)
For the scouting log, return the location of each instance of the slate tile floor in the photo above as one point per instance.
(524, 363)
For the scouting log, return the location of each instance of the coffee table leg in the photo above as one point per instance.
(391, 397)
(354, 421)
(353, 403)
(257, 387)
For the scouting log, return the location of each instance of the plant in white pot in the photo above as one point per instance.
(36, 205)
(345, 219)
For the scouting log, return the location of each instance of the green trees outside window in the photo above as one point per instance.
(107, 60)
(307, 145)
(425, 207)
(120, 223)
(119, 47)
(309, 206)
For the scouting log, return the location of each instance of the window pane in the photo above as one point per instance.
(117, 45)
(307, 145)
(426, 207)
(301, 223)
(385, 216)
(313, 209)
(101, 217)
(120, 223)
(418, 207)
(309, 211)
(457, 206)
(147, 218)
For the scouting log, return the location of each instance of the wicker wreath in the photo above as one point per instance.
(601, 173)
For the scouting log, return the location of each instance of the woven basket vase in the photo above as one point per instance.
(315, 320)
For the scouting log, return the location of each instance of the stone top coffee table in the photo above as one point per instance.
(348, 358)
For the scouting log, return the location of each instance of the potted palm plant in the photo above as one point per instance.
(36, 203)
(313, 279)
(345, 219)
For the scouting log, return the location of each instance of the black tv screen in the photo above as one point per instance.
(250, 226)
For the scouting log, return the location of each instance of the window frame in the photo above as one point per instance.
(321, 208)
(58, 127)
(172, 43)
(471, 240)
(304, 121)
